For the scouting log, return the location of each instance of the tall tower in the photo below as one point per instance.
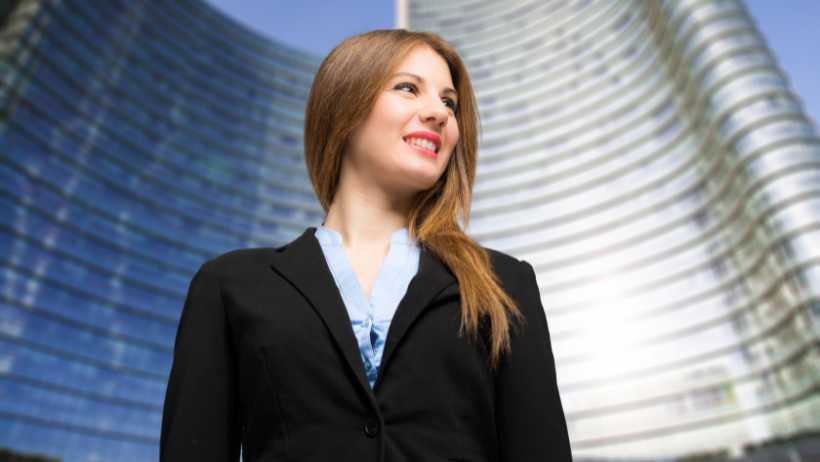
(652, 162)
(137, 140)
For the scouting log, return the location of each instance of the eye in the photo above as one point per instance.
(449, 101)
(406, 85)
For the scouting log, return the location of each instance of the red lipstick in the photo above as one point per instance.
(429, 136)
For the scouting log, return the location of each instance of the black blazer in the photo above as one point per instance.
(265, 357)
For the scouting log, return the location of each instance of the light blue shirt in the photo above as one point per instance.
(371, 318)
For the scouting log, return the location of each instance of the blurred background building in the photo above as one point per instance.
(138, 139)
(651, 161)
(649, 158)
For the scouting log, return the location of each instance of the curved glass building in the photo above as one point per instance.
(137, 139)
(652, 162)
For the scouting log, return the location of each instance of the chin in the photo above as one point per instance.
(416, 183)
(425, 177)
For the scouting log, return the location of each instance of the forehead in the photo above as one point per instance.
(425, 62)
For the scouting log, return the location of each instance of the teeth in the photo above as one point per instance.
(423, 143)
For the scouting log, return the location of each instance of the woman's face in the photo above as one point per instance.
(418, 100)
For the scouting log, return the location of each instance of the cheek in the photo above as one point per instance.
(384, 121)
(372, 140)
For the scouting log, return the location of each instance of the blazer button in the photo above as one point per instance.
(371, 428)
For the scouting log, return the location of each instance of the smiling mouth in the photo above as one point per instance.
(422, 149)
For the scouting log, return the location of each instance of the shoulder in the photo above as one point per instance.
(516, 275)
(503, 262)
(511, 271)
(238, 262)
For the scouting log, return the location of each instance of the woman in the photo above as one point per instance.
(386, 333)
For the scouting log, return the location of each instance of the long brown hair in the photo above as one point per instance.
(344, 90)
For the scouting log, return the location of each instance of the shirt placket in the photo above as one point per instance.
(364, 314)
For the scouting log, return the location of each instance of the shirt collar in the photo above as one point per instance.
(330, 236)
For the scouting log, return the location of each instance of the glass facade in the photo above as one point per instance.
(652, 162)
(137, 140)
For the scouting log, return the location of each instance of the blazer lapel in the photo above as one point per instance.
(303, 264)
(427, 286)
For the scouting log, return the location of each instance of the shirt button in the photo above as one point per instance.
(371, 428)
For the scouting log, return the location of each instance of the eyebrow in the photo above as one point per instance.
(421, 79)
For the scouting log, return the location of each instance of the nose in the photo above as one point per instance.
(435, 111)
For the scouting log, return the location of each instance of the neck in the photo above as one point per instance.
(363, 224)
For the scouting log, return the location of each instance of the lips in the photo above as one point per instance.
(422, 150)
(432, 137)
(426, 135)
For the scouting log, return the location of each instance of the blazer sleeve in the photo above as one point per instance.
(200, 415)
(529, 415)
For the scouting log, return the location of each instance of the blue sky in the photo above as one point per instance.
(790, 28)
(313, 25)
